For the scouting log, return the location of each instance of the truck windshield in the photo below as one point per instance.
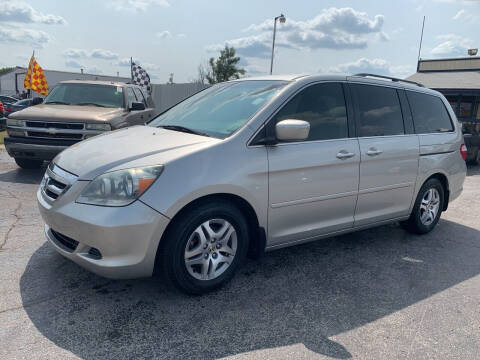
(220, 110)
(86, 94)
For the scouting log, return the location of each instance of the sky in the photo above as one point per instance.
(175, 36)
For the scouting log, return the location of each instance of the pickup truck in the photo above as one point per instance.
(73, 111)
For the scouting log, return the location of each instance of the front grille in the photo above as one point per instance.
(59, 135)
(55, 130)
(56, 181)
(54, 125)
(68, 243)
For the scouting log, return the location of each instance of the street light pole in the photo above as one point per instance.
(282, 21)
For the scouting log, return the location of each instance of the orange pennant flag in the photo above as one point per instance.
(35, 78)
(27, 84)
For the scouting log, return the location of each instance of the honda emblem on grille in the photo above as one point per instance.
(52, 131)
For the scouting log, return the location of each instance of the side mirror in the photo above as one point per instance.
(136, 106)
(291, 130)
(37, 100)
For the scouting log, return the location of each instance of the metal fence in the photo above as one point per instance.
(167, 95)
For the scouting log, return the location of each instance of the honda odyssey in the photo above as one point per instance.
(249, 166)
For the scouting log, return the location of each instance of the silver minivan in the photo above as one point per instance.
(249, 166)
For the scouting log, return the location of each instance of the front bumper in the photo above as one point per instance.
(126, 237)
(36, 149)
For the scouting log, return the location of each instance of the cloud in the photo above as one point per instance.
(35, 38)
(94, 54)
(20, 12)
(181, 35)
(75, 53)
(463, 15)
(147, 66)
(137, 5)
(333, 28)
(452, 45)
(126, 62)
(103, 54)
(74, 64)
(466, 2)
(459, 14)
(372, 66)
(163, 34)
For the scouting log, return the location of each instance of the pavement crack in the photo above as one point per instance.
(10, 229)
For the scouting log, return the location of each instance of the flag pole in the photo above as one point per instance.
(31, 73)
(131, 64)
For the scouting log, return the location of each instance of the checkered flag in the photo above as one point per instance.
(140, 77)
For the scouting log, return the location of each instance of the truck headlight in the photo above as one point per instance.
(99, 127)
(119, 188)
(14, 122)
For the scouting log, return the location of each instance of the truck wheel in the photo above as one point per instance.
(28, 163)
(427, 209)
(204, 247)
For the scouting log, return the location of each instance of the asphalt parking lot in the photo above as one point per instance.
(376, 294)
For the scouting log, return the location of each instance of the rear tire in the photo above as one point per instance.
(28, 163)
(427, 208)
(204, 247)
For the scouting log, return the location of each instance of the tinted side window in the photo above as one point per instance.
(323, 106)
(429, 113)
(378, 110)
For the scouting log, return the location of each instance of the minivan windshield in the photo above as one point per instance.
(86, 94)
(221, 109)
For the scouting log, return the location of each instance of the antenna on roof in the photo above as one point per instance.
(421, 39)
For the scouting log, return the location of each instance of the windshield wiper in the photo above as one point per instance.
(89, 103)
(183, 129)
(57, 102)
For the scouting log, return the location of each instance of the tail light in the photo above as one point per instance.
(463, 151)
(8, 108)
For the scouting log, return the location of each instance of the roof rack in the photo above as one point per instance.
(389, 78)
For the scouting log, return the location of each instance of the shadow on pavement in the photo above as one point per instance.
(23, 176)
(303, 294)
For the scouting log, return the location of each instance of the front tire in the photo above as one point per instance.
(427, 208)
(28, 163)
(204, 247)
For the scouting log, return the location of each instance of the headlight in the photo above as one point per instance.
(100, 127)
(13, 122)
(121, 187)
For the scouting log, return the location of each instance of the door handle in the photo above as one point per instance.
(345, 155)
(374, 152)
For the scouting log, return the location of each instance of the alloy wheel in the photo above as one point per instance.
(210, 249)
(429, 206)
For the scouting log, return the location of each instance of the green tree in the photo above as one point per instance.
(225, 67)
(5, 70)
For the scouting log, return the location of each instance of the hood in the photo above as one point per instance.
(128, 147)
(71, 113)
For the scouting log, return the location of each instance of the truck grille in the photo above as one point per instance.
(56, 182)
(54, 130)
(54, 125)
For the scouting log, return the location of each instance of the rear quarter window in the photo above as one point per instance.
(429, 113)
